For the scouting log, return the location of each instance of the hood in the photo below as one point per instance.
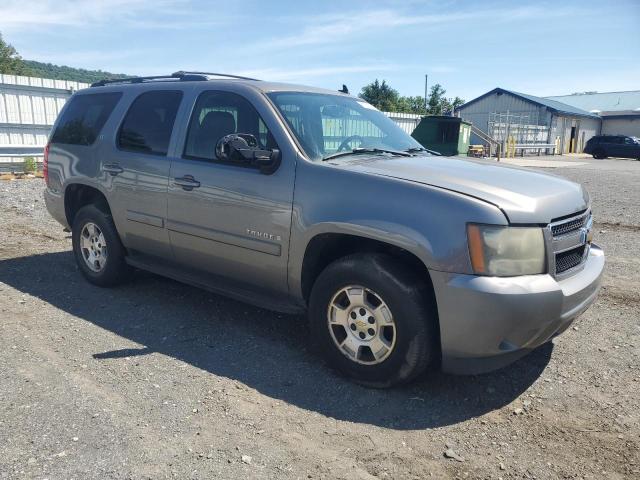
(524, 195)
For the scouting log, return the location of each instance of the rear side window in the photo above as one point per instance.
(149, 122)
(84, 117)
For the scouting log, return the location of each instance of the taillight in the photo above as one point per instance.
(45, 164)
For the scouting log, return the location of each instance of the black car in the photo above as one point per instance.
(603, 146)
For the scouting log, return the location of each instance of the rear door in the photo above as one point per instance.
(606, 144)
(136, 171)
(224, 219)
(615, 147)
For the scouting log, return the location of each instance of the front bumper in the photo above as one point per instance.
(489, 322)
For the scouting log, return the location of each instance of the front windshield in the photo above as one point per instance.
(327, 124)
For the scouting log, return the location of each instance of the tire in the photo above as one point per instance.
(93, 227)
(599, 154)
(411, 342)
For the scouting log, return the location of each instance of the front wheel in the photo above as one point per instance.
(374, 320)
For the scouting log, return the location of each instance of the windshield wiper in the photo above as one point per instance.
(356, 151)
(422, 149)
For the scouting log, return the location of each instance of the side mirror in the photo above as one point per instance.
(244, 148)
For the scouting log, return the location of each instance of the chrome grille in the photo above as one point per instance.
(570, 244)
(570, 259)
(571, 225)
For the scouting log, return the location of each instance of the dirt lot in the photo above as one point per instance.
(160, 380)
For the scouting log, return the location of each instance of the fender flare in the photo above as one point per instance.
(385, 232)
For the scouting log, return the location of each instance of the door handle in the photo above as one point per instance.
(112, 169)
(187, 182)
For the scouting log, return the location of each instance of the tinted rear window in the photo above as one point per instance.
(84, 117)
(149, 122)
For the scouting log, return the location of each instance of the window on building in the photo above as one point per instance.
(149, 122)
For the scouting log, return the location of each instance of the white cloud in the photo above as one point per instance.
(21, 14)
(325, 29)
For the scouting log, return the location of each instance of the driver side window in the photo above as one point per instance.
(217, 114)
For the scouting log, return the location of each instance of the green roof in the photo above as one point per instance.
(603, 102)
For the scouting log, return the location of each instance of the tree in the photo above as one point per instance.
(437, 103)
(10, 62)
(62, 72)
(412, 105)
(387, 99)
(381, 96)
(457, 103)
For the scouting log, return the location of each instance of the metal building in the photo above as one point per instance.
(406, 121)
(28, 108)
(620, 111)
(531, 121)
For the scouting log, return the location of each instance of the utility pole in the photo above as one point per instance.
(426, 104)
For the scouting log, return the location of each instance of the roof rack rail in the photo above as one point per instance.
(180, 75)
(173, 76)
(211, 74)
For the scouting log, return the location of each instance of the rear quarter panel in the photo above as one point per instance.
(69, 164)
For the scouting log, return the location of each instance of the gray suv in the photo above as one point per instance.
(299, 199)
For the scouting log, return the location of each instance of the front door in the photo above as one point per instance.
(227, 219)
(629, 148)
(137, 172)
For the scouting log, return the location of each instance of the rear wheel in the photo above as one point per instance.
(97, 247)
(373, 320)
(599, 154)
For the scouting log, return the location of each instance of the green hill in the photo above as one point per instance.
(61, 72)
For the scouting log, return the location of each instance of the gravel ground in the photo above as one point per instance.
(156, 379)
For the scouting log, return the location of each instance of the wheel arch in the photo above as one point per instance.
(324, 247)
(327, 247)
(77, 195)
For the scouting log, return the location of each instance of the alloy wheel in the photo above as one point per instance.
(93, 247)
(361, 325)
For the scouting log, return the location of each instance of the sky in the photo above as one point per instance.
(469, 47)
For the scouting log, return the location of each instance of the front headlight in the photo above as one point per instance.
(506, 251)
